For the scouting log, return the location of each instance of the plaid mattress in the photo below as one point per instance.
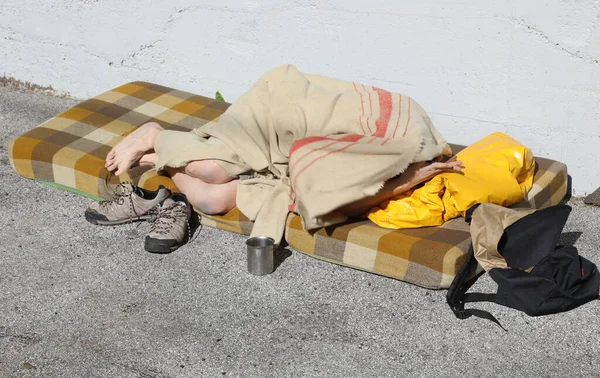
(68, 151)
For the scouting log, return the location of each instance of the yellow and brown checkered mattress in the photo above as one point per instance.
(68, 151)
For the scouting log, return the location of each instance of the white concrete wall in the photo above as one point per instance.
(527, 68)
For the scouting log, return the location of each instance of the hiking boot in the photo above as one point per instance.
(170, 227)
(129, 203)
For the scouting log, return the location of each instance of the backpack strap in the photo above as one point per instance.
(482, 297)
(457, 294)
(460, 285)
(524, 244)
(464, 279)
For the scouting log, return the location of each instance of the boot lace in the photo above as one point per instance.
(165, 217)
(122, 193)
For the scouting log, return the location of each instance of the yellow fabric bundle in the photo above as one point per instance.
(496, 169)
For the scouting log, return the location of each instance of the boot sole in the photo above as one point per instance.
(161, 245)
(98, 219)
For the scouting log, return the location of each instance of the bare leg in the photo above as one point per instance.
(130, 150)
(206, 185)
(207, 171)
(206, 197)
(148, 159)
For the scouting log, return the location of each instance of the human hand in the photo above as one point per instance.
(415, 174)
(418, 173)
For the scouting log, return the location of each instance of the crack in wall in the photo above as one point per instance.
(387, 81)
(533, 30)
(171, 19)
(136, 52)
(480, 120)
(179, 13)
(24, 38)
(530, 126)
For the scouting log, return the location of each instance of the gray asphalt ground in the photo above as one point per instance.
(78, 300)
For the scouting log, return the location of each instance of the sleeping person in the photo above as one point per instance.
(320, 147)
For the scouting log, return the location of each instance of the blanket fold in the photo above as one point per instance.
(320, 143)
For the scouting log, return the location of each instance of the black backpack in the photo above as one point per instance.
(542, 278)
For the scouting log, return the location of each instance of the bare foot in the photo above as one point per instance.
(130, 150)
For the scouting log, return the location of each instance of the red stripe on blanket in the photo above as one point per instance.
(361, 99)
(319, 158)
(370, 103)
(301, 143)
(362, 107)
(385, 112)
(292, 197)
(350, 138)
(361, 125)
(408, 120)
(399, 115)
(371, 110)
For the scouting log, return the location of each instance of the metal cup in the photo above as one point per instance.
(260, 255)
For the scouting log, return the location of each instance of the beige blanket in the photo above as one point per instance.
(315, 144)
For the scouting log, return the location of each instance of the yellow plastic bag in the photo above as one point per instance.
(496, 169)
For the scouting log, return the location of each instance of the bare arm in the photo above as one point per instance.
(414, 175)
